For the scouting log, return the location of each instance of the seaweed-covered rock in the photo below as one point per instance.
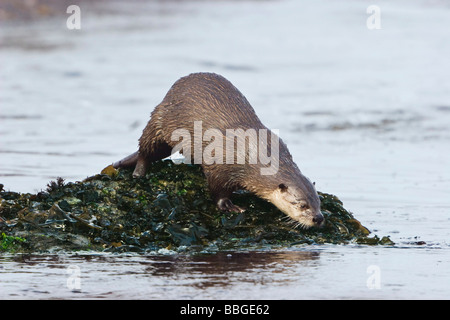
(169, 208)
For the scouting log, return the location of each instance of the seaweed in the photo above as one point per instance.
(11, 244)
(169, 208)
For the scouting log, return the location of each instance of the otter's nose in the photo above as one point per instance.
(318, 219)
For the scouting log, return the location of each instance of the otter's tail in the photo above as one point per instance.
(127, 162)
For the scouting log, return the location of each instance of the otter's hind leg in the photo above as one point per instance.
(152, 146)
(156, 152)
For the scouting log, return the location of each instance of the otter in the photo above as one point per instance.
(219, 105)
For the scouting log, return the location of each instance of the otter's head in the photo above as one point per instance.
(299, 201)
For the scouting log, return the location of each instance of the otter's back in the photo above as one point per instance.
(209, 98)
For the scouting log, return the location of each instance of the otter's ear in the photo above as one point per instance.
(283, 187)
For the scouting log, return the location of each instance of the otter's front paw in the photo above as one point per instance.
(225, 204)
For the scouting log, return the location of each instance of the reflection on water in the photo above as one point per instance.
(36, 276)
(330, 272)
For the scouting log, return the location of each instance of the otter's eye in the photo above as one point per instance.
(304, 206)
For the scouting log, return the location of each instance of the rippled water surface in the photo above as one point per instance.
(365, 114)
(312, 273)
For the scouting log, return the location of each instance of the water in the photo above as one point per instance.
(325, 272)
(365, 114)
